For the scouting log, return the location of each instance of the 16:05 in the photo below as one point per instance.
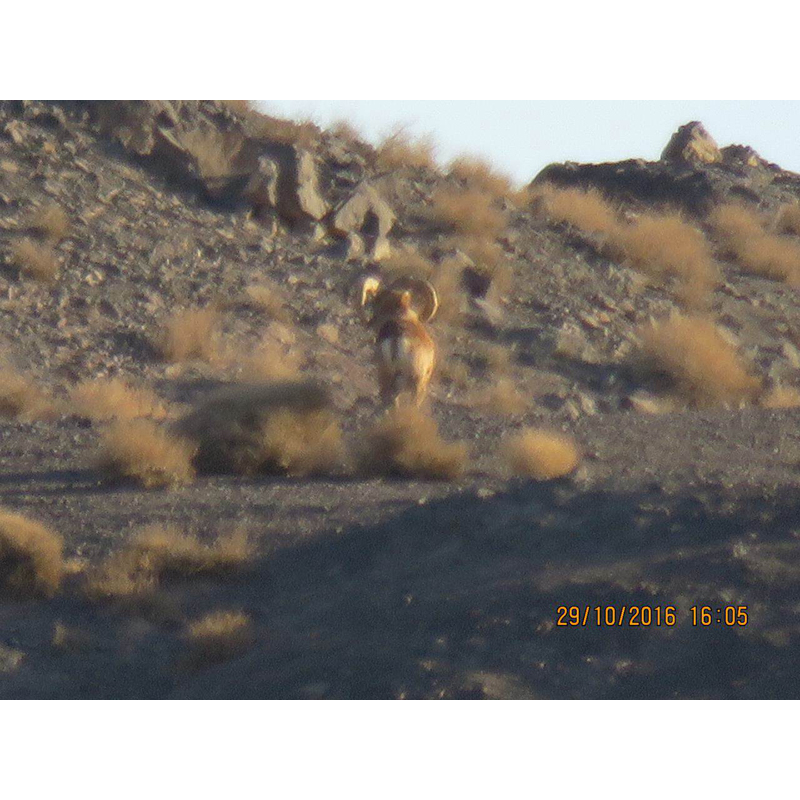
(725, 615)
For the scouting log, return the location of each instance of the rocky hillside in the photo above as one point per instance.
(645, 310)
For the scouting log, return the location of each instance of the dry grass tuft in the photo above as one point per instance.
(399, 149)
(701, 363)
(586, 210)
(744, 236)
(787, 219)
(21, 399)
(469, 212)
(36, 259)
(406, 443)
(286, 428)
(31, 563)
(217, 637)
(781, 397)
(103, 399)
(141, 452)
(159, 554)
(659, 245)
(665, 245)
(50, 222)
(407, 262)
(541, 455)
(478, 173)
(191, 334)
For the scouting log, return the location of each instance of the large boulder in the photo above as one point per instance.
(692, 144)
(299, 197)
(364, 212)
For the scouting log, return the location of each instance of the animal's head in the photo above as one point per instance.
(398, 298)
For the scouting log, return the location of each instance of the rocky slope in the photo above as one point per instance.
(367, 587)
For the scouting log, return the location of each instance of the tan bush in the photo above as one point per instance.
(702, 364)
(21, 399)
(38, 260)
(665, 245)
(191, 333)
(478, 173)
(50, 222)
(744, 236)
(112, 398)
(31, 561)
(469, 212)
(271, 361)
(141, 452)
(541, 455)
(399, 149)
(159, 554)
(405, 442)
(787, 219)
(218, 636)
(286, 428)
(782, 397)
(585, 209)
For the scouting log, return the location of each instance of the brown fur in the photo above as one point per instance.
(404, 351)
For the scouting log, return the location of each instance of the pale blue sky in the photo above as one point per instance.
(522, 136)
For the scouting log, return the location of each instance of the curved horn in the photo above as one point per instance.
(423, 294)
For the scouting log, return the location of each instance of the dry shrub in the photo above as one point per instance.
(664, 245)
(103, 399)
(405, 442)
(37, 259)
(286, 428)
(218, 636)
(30, 557)
(478, 173)
(469, 212)
(142, 452)
(191, 333)
(541, 455)
(787, 219)
(344, 129)
(159, 554)
(502, 397)
(585, 209)
(746, 239)
(50, 222)
(701, 363)
(399, 149)
(781, 397)
(407, 262)
(268, 297)
(21, 399)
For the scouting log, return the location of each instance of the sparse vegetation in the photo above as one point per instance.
(501, 397)
(50, 222)
(159, 554)
(31, 561)
(36, 259)
(541, 455)
(218, 636)
(586, 210)
(104, 399)
(268, 297)
(469, 212)
(399, 149)
(285, 428)
(787, 219)
(745, 238)
(22, 399)
(698, 360)
(271, 361)
(478, 173)
(191, 334)
(142, 452)
(782, 397)
(406, 443)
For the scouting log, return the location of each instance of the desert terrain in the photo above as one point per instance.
(202, 497)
